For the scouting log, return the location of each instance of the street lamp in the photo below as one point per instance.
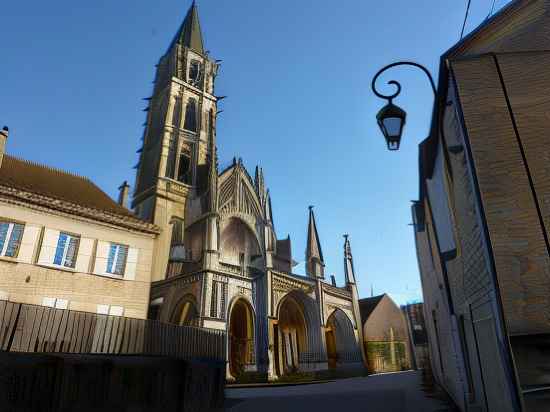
(391, 118)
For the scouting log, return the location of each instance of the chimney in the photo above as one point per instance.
(333, 280)
(3, 139)
(123, 194)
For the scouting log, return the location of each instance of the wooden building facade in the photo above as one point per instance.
(482, 219)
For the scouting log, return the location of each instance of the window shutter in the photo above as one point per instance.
(49, 246)
(84, 255)
(131, 264)
(28, 243)
(102, 254)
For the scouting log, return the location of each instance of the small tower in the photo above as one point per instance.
(348, 262)
(352, 287)
(315, 266)
(178, 140)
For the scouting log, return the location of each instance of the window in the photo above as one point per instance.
(10, 238)
(66, 251)
(55, 303)
(116, 262)
(194, 72)
(110, 310)
(191, 116)
(184, 172)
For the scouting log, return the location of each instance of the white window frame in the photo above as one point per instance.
(115, 259)
(69, 236)
(58, 303)
(110, 310)
(5, 246)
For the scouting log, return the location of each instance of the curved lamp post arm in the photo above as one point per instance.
(390, 97)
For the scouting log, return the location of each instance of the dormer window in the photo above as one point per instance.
(195, 72)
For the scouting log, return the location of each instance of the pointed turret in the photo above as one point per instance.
(259, 183)
(315, 266)
(189, 34)
(348, 262)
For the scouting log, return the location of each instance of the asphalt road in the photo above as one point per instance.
(399, 392)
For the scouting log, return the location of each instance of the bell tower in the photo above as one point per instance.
(178, 138)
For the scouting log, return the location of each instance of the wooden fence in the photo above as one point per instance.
(31, 328)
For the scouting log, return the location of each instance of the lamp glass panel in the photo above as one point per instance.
(393, 126)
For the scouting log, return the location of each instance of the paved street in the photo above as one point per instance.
(396, 392)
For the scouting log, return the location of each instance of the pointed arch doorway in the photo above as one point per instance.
(241, 337)
(292, 336)
(340, 340)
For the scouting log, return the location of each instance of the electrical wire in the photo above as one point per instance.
(492, 9)
(465, 19)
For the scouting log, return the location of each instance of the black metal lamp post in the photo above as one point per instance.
(391, 118)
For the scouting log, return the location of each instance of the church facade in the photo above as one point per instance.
(218, 261)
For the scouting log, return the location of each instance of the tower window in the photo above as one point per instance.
(184, 169)
(191, 116)
(194, 72)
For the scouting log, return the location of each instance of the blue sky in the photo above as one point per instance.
(297, 75)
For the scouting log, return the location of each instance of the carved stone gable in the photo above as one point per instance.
(237, 195)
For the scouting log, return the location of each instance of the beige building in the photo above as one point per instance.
(385, 334)
(483, 217)
(64, 243)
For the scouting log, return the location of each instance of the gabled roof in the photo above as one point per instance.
(59, 189)
(367, 306)
(313, 248)
(189, 34)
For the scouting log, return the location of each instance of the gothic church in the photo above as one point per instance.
(218, 262)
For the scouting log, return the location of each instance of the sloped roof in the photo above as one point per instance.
(47, 181)
(59, 189)
(367, 306)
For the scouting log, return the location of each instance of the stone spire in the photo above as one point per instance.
(189, 34)
(348, 261)
(315, 266)
(260, 184)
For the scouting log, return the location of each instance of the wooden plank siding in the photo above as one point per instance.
(505, 103)
(49, 330)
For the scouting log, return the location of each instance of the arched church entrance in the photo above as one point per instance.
(340, 340)
(292, 335)
(186, 313)
(241, 337)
